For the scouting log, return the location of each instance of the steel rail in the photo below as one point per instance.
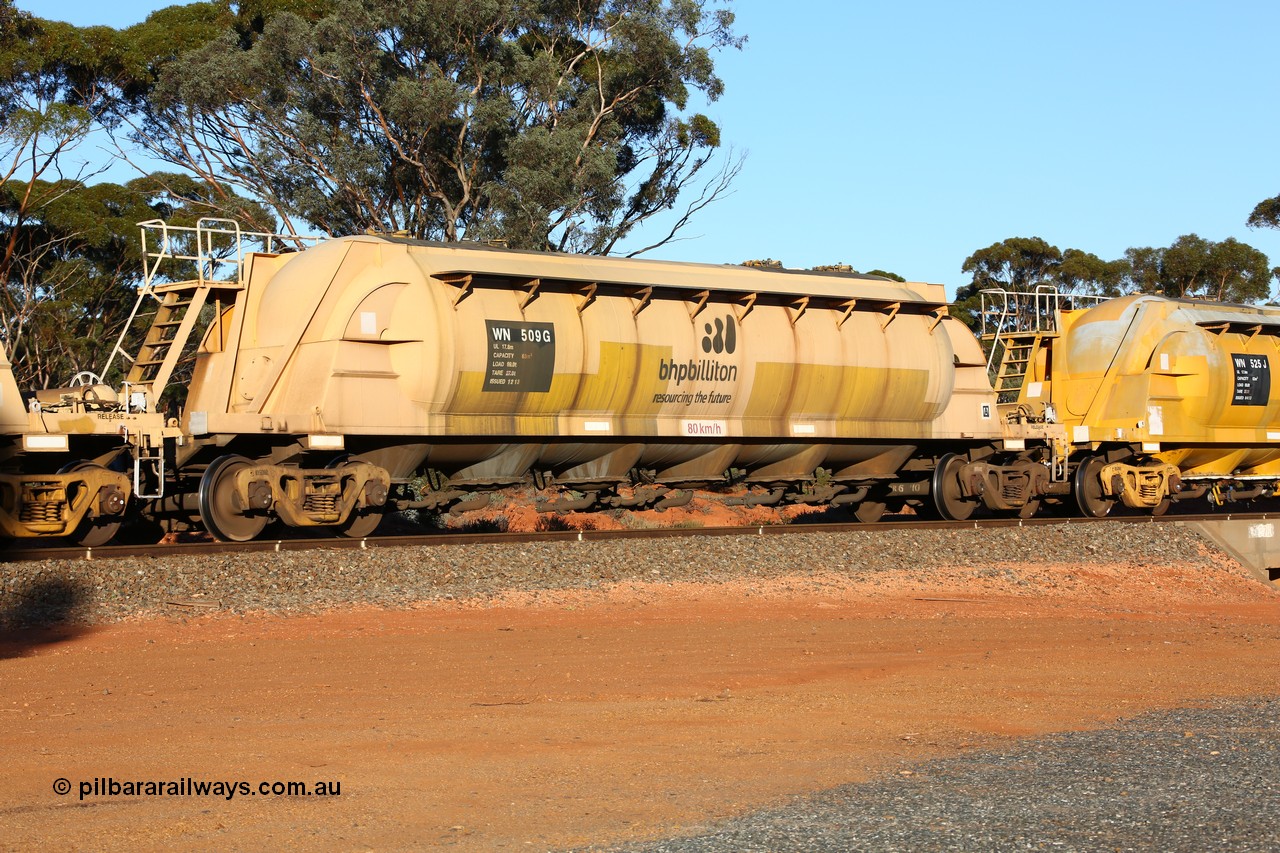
(107, 552)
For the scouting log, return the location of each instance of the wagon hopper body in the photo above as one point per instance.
(383, 359)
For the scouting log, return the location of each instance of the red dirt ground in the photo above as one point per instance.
(554, 719)
(514, 510)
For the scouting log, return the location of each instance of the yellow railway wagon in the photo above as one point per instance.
(384, 359)
(1161, 399)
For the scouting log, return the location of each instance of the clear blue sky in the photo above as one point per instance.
(905, 135)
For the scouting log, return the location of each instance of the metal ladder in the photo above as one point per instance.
(1019, 350)
(171, 327)
(1017, 325)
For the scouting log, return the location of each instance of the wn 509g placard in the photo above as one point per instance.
(522, 356)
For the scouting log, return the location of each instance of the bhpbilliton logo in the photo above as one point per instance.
(723, 338)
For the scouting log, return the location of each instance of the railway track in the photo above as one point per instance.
(56, 552)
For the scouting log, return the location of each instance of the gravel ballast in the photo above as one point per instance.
(308, 581)
(1186, 780)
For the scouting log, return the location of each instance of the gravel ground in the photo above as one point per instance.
(36, 593)
(1193, 780)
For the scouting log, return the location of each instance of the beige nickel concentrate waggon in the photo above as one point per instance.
(373, 373)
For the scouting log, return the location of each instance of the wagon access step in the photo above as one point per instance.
(171, 327)
(1019, 352)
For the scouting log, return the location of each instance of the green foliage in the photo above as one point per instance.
(69, 276)
(50, 98)
(1018, 263)
(69, 247)
(1191, 267)
(1084, 272)
(1266, 214)
(542, 123)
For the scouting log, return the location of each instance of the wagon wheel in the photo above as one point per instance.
(869, 511)
(360, 523)
(948, 499)
(1029, 509)
(1086, 487)
(1161, 508)
(91, 532)
(218, 510)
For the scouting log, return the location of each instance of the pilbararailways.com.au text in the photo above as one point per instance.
(107, 786)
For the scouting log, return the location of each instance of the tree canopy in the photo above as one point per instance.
(1266, 214)
(540, 123)
(1191, 267)
(1226, 271)
(76, 263)
(69, 246)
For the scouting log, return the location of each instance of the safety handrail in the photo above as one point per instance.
(1011, 312)
(213, 236)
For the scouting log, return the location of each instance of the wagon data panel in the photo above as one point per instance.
(522, 356)
(1252, 379)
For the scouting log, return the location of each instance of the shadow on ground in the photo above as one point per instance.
(40, 612)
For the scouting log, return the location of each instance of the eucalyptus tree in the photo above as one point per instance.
(558, 124)
(1018, 264)
(1085, 272)
(1193, 267)
(80, 264)
(69, 247)
(53, 93)
(1266, 214)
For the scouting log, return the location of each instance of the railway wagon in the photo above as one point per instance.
(1162, 399)
(331, 380)
(72, 459)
